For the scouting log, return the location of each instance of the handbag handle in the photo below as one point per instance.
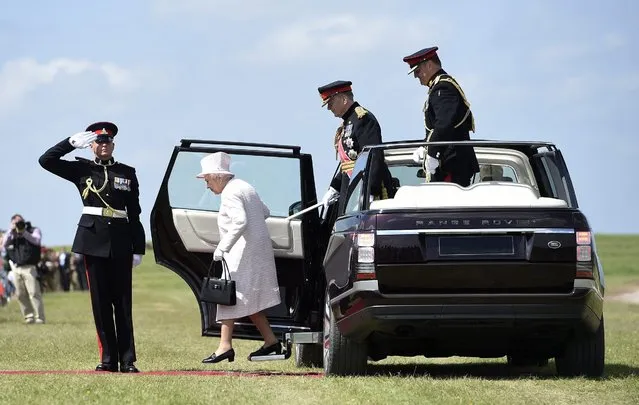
(225, 269)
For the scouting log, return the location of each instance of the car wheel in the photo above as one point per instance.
(308, 355)
(342, 356)
(583, 356)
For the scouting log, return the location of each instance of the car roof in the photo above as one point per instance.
(527, 147)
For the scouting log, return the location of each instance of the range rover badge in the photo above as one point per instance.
(554, 244)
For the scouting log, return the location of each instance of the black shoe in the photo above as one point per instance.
(128, 368)
(107, 367)
(275, 348)
(229, 354)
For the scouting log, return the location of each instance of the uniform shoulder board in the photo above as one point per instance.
(360, 111)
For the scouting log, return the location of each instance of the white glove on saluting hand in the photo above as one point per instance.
(431, 164)
(217, 255)
(82, 139)
(419, 153)
(330, 193)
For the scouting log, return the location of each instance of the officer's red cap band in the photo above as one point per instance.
(331, 92)
(103, 132)
(420, 58)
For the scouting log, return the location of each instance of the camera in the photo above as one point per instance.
(20, 225)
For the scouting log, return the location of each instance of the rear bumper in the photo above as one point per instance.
(363, 311)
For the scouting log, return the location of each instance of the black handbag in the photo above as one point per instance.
(218, 290)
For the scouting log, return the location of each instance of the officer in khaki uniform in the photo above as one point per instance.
(447, 117)
(109, 233)
(359, 128)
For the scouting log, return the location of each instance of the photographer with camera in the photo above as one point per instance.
(22, 244)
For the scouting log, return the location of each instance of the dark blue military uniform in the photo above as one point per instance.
(359, 129)
(447, 117)
(109, 232)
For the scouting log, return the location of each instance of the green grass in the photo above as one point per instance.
(167, 331)
(620, 258)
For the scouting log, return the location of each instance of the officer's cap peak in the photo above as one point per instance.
(329, 90)
(103, 128)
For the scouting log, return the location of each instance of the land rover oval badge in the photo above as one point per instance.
(554, 244)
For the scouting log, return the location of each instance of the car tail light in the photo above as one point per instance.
(365, 251)
(583, 238)
(584, 255)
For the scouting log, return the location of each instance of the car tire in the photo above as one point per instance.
(583, 356)
(308, 355)
(341, 356)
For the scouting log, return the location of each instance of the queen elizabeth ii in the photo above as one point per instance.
(246, 247)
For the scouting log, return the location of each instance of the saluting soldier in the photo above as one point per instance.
(109, 233)
(447, 117)
(359, 128)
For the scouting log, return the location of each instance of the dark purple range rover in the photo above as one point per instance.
(506, 267)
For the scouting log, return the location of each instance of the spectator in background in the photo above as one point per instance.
(5, 259)
(22, 244)
(80, 271)
(48, 271)
(64, 268)
(6, 286)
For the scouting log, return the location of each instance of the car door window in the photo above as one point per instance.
(555, 178)
(276, 179)
(353, 202)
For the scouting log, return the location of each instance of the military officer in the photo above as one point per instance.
(359, 128)
(109, 233)
(447, 117)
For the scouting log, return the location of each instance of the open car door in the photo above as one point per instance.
(185, 232)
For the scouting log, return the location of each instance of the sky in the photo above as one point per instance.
(562, 71)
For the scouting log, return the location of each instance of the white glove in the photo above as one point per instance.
(330, 194)
(431, 164)
(217, 255)
(419, 153)
(137, 259)
(82, 139)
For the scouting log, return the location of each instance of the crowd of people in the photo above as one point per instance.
(57, 270)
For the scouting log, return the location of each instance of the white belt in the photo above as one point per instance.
(105, 212)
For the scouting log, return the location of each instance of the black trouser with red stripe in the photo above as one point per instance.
(109, 282)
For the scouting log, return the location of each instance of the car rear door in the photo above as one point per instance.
(185, 232)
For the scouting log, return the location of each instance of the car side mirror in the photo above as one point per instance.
(294, 208)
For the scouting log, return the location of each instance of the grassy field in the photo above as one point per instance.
(168, 338)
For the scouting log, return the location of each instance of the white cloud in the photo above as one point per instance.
(625, 83)
(328, 38)
(578, 88)
(233, 9)
(20, 77)
(614, 40)
(575, 88)
(573, 50)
